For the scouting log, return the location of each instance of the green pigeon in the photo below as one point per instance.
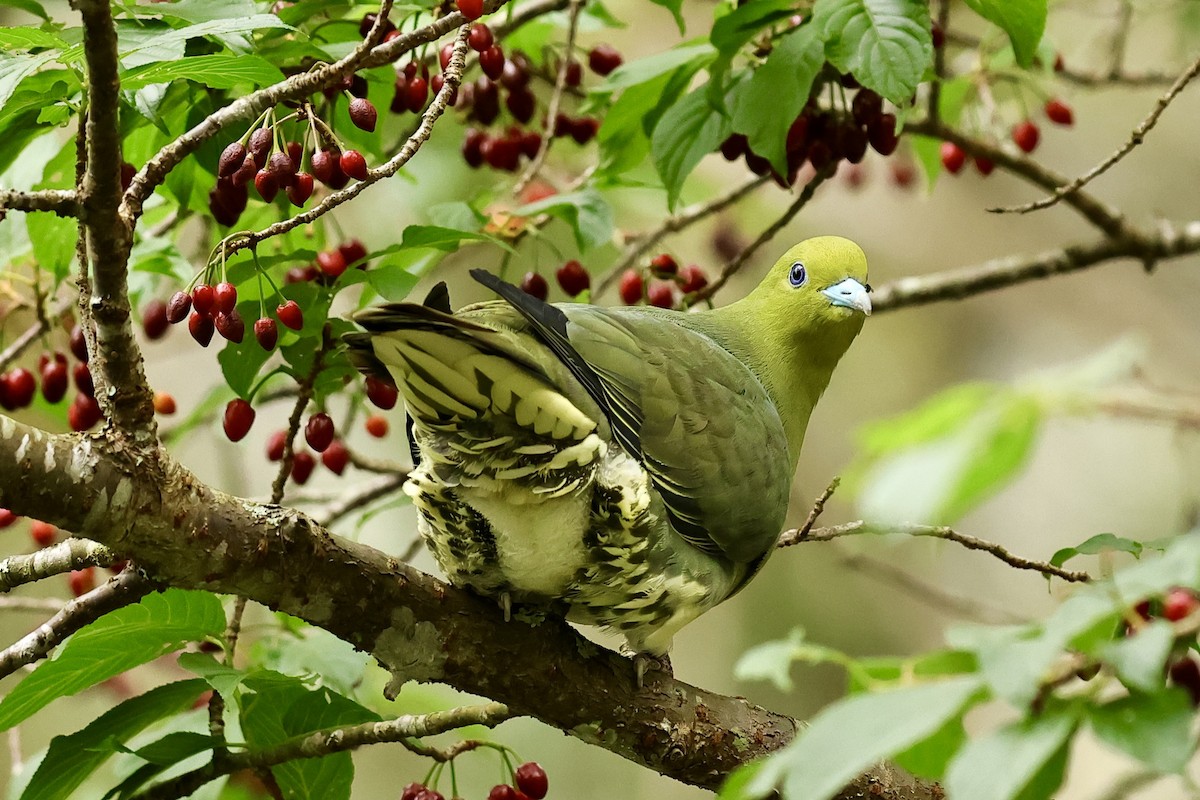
(630, 465)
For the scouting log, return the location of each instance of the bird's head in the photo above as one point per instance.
(817, 285)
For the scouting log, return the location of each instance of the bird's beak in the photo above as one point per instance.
(849, 293)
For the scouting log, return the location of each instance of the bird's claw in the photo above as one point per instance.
(648, 662)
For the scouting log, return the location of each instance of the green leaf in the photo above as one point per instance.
(773, 661)
(589, 215)
(395, 276)
(281, 708)
(766, 105)
(1100, 543)
(739, 26)
(311, 651)
(885, 44)
(72, 758)
(1004, 763)
(118, 641)
(30, 6)
(53, 239)
(1023, 20)
(241, 361)
(854, 733)
(687, 132)
(216, 71)
(1140, 657)
(930, 758)
(28, 39)
(624, 136)
(173, 748)
(998, 456)
(737, 782)
(1156, 729)
(945, 412)
(16, 68)
(447, 239)
(693, 57)
(223, 678)
(676, 9)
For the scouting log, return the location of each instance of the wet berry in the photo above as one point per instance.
(953, 157)
(154, 319)
(573, 278)
(381, 393)
(480, 38)
(1025, 135)
(302, 466)
(603, 59)
(535, 285)
(201, 327)
(354, 164)
(225, 297)
(83, 413)
(266, 333)
(491, 61)
(1059, 112)
(471, 9)
(363, 114)
(54, 381)
(231, 326)
(239, 416)
(318, 432)
(20, 386)
(290, 315)
(331, 262)
(631, 287)
(531, 779)
(322, 165)
(266, 185)
(301, 189)
(81, 374)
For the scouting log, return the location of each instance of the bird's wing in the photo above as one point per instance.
(698, 419)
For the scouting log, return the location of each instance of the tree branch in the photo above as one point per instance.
(56, 559)
(859, 527)
(117, 592)
(1135, 139)
(64, 202)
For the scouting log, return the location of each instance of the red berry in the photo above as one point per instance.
(502, 792)
(301, 189)
(295, 152)
(521, 104)
(354, 164)
(266, 185)
(302, 466)
(381, 393)
(584, 129)
(1025, 134)
(445, 54)
(83, 413)
(20, 387)
(54, 381)
(411, 791)
(631, 287)
(204, 299)
(664, 265)
(283, 168)
(201, 328)
(953, 157)
(322, 165)
(318, 432)
(430, 794)
(231, 326)
(471, 9)
(164, 403)
(693, 279)
(154, 319)
(1059, 66)
(331, 262)
(275, 445)
(604, 58)
(82, 581)
(290, 315)
(937, 35)
(531, 779)
(225, 295)
(239, 416)
(177, 310)
(79, 344)
(363, 114)
(266, 332)
(903, 173)
(573, 278)
(984, 165)
(1059, 112)
(81, 374)
(480, 38)
(531, 143)
(535, 285)
(574, 73)
(418, 94)
(1178, 604)
(231, 159)
(6, 518)
(661, 294)
(336, 457)
(352, 250)
(377, 426)
(44, 534)
(882, 134)
(1184, 673)
(127, 172)
(491, 61)
(260, 146)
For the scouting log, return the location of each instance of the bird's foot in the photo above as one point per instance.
(644, 663)
(506, 605)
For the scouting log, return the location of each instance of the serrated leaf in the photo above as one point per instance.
(852, 734)
(1100, 543)
(395, 276)
(687, 132)
(30, 6)
(118, 641)
(739, 26)
(589, 215)
(173, 748)
(692, 56)
(72, 758)
(1023, 20)
(448, 239)
(765, 106)
(27, 38)
(885, 44)
(15, 68)
(241, 361)
(1156, 728)
(1139, 658)
(223, 678)
(1002, 764)
(215, 71)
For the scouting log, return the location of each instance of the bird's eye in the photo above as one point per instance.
(868, 288)
(798, 276)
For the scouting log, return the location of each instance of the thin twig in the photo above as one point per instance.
(453, 75)
(56, 559)
(1135, 139)
(35, 604)
(938, 532)
(640, 244)
(939, 64)
(18, 345)
(560, 83)
(769, 233)
(818, 508)
(323, 743)
(64, 202)
(363, 493)
(119, 591)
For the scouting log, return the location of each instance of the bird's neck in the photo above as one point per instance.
(793, 363)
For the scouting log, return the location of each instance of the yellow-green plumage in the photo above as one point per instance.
(632, 464)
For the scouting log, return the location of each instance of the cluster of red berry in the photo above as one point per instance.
(666, 288)
(1025, 135)
(18, 385)
(214, 308)
(331, 263)
(529, 783)
(1182, 670)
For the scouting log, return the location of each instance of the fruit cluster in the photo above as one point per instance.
(1025, 135)
(214, 308)
(19, 385)
(529, 783)
(666, 288)
(1182, 668)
